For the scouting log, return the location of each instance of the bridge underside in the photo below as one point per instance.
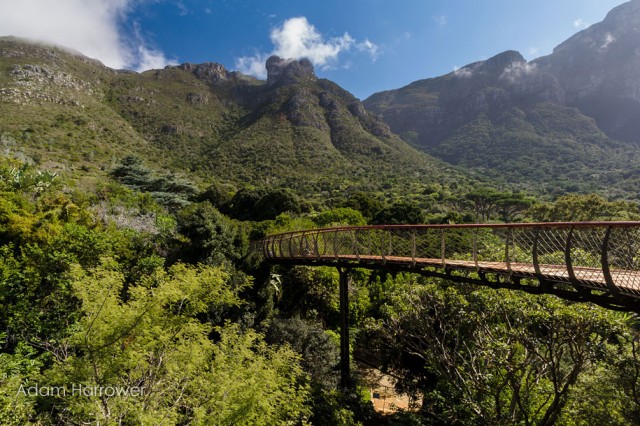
(587, 285)
(583, 261)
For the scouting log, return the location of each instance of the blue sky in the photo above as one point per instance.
(364, 45)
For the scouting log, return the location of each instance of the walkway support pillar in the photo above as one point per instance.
(345, 376)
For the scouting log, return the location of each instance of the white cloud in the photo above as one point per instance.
(370, 48)
(150, 59)
(517, 70)
(533, 51)
(183, 10)
(608, 39)
(440, 20)
(90, 26)
(253, 65)
(297, 38)
(579, 23)
(147, 58)
(464, 72)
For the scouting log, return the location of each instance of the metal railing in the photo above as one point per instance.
(601, 256)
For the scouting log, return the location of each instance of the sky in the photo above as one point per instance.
(365, 46)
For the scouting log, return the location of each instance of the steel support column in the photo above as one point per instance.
(345, 375)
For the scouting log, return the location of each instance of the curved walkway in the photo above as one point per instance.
(583, 261)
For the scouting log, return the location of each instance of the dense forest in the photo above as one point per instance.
(147, 284)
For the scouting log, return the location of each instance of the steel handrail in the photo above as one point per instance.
(591, 256)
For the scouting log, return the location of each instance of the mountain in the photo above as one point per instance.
(71, 113)
(598, 69)
(562, 123)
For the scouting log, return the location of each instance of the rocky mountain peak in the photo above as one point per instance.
(211, 72)
(625, 17)
(498, 63)
(504, 78)
(289, 71)
(598, 71)
(620, 26)
(493, 71)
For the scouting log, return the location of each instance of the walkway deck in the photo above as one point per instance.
(584, 261)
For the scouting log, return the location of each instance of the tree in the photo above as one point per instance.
(213, 238)
(218, 195)
(168, 190)
(484, 201)
(243, 204)
(399, 213)
(319, 350)
(340, 215)
(574, 207)
(510, 205)
(132, 172)
(493, 356)
(152, 343)
(364, 203)
(275, 202)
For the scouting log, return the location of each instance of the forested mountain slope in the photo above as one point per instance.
(564, 122)
(64, 110)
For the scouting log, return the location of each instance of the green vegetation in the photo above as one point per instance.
(200, 124)
(89, 303)
(110, 290)
(548, 149)
(522, 133)
(127, 206)
(500, 357)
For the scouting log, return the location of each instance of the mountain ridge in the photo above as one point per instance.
(509, 117)
(209, 123)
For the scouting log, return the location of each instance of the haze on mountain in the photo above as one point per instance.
(569, 121)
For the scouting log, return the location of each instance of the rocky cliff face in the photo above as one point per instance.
(597, 70)
(433, 109)
(282, 72)
(210, 72)
(293, 130)
(605, 54)
(503, 81)
(568, 113)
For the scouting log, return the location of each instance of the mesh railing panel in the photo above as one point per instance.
(549, 251)
(428, 243)
(586, 255)
(623, 253)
